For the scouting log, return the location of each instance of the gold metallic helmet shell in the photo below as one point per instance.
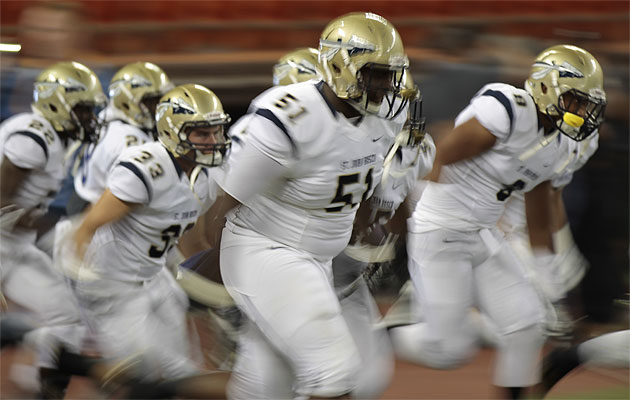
(300, 65)
(190, 106)
(354, 41)
(60, 89)
(132, 86)
(561, 69)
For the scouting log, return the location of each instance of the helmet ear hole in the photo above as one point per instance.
(126, 106)
(336, 69)
(543, 88)
(53, 108)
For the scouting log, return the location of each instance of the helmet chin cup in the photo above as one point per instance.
(572, 120)
(571, 125)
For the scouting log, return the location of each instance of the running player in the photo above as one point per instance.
(67, 97)
(155, 192)
(506, 140)
(311, 153)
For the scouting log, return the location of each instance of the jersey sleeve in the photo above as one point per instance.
(270, 136)
(26, 150)
(129, 182)
(493, 110)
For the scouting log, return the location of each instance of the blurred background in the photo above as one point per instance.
(454, 47)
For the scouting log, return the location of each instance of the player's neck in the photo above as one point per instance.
(340, 105)
(186, 165)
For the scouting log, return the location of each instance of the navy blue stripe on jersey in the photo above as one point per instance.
(506, 103)
(176, 164)
(320, 89)
(236, 139)
(36, 138)
(265, 113)
(139, 174)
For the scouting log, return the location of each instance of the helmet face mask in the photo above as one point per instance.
(358, 52)
(69, 95)
(376, 83)
(87, 124)
(566, 83)
(193, 111)
(208, 154)
(136, 89)
(581, 114)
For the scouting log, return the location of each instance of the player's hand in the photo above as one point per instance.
(545, 279)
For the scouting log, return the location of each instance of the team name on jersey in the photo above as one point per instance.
(359, 162)
(527, 172)
(186, 215)
(383, 204)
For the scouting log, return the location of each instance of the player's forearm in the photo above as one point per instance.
(559, 215)
(539, 217)
(465, 141)
(11, 177)
(108, 209)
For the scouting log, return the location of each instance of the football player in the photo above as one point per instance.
(506, 140)
(410, 161)
(67, 97)
(129, 121)
(310, 153)
(134, 92)
(155, 192)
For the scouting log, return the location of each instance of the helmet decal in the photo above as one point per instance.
(69, 95)
(565, 70)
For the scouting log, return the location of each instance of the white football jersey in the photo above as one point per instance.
(29, 141)
(90, 179)
(472, 193)
(573, 157)
(330, 165)
(409, 165)
(134, 248)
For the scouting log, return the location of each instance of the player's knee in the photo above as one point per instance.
(332, 372)
(333, 379)
(450, 354)
(525, 336)
(374, 377)
(446, 352)
(529, 318)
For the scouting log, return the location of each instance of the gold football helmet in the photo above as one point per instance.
(567, 84)
(136, 89)
(185, 108)
(362, 59)
(69, 95)
(297, 66)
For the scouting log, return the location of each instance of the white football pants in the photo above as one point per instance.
(295, 342)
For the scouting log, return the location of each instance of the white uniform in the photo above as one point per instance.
(560, 277)
(131, 301)
(28, 278)
(300, 175)
(91, 178)
(458, 258)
